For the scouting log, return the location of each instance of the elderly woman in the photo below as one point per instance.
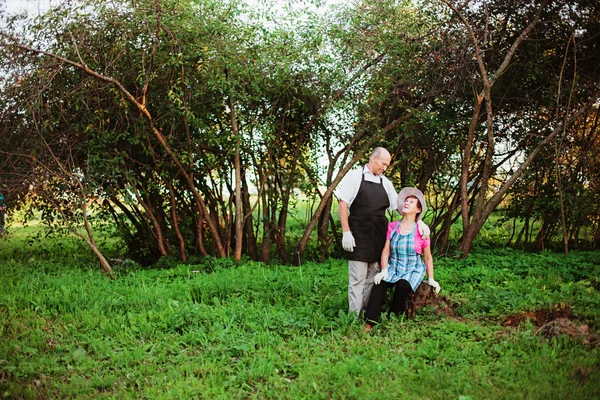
(401, 264)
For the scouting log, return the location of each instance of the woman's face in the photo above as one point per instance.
(411, 205)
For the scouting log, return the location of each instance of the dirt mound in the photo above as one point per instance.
(539, 317)
(425, 296)
(562, 326)
(555, 322)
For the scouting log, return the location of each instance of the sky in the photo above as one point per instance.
(31, 6)
(37, 6)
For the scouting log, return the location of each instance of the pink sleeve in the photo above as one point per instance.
(420, 243)
(391, 227)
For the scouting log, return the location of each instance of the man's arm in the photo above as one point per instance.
(343, 210)
(348, 242)
(391, 193)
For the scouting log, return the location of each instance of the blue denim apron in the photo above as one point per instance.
(404, 262)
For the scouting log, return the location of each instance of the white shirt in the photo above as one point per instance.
(351, 183)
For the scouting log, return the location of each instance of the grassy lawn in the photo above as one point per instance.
(217, 330)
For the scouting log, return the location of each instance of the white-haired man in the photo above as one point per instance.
(364, 196)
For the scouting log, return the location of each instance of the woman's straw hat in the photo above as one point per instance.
(411, 191)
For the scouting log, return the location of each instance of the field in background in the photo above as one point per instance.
(36, 240)
(523, 326)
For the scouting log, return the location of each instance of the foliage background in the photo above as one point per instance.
(196, 127)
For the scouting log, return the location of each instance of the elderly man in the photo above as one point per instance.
(364, 196)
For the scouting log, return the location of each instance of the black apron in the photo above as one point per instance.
(368, 222)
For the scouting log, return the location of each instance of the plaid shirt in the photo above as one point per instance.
(404, 262)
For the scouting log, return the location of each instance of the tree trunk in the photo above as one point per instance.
(447, 224)
(280, 233)
(103, 262)
(265, 251)
(428, 169)
(540, 240)
(175, 220)
(239, 215)
(132, 218)
(160, 241)
(249, 237)
(528, 229)
(512, 232)
(323, 229)
(596, 239)
(89, 240)
(199, 232)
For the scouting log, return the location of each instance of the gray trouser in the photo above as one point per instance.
(361, 274)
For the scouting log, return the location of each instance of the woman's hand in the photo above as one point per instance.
(382, 275)
(434, 284)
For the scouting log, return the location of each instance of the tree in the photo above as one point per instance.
(45, 166)
(197, 123)
(483, 107)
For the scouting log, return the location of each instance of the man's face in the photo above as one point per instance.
(378, 164)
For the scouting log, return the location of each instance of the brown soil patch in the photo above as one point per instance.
(547, 322)
(551, 323)
(540, 317)
(425, 296)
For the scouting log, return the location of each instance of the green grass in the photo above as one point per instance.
(217, 330)
(36, 242)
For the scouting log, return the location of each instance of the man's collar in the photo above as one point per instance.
(366, 170)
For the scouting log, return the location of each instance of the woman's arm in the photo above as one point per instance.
(385, 255)
(428, 259)
(383, 263)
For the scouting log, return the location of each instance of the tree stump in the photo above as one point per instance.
(425, 296)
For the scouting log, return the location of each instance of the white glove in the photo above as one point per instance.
(434, 284)
(382, 275)
(348, 242)
(423, 229)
